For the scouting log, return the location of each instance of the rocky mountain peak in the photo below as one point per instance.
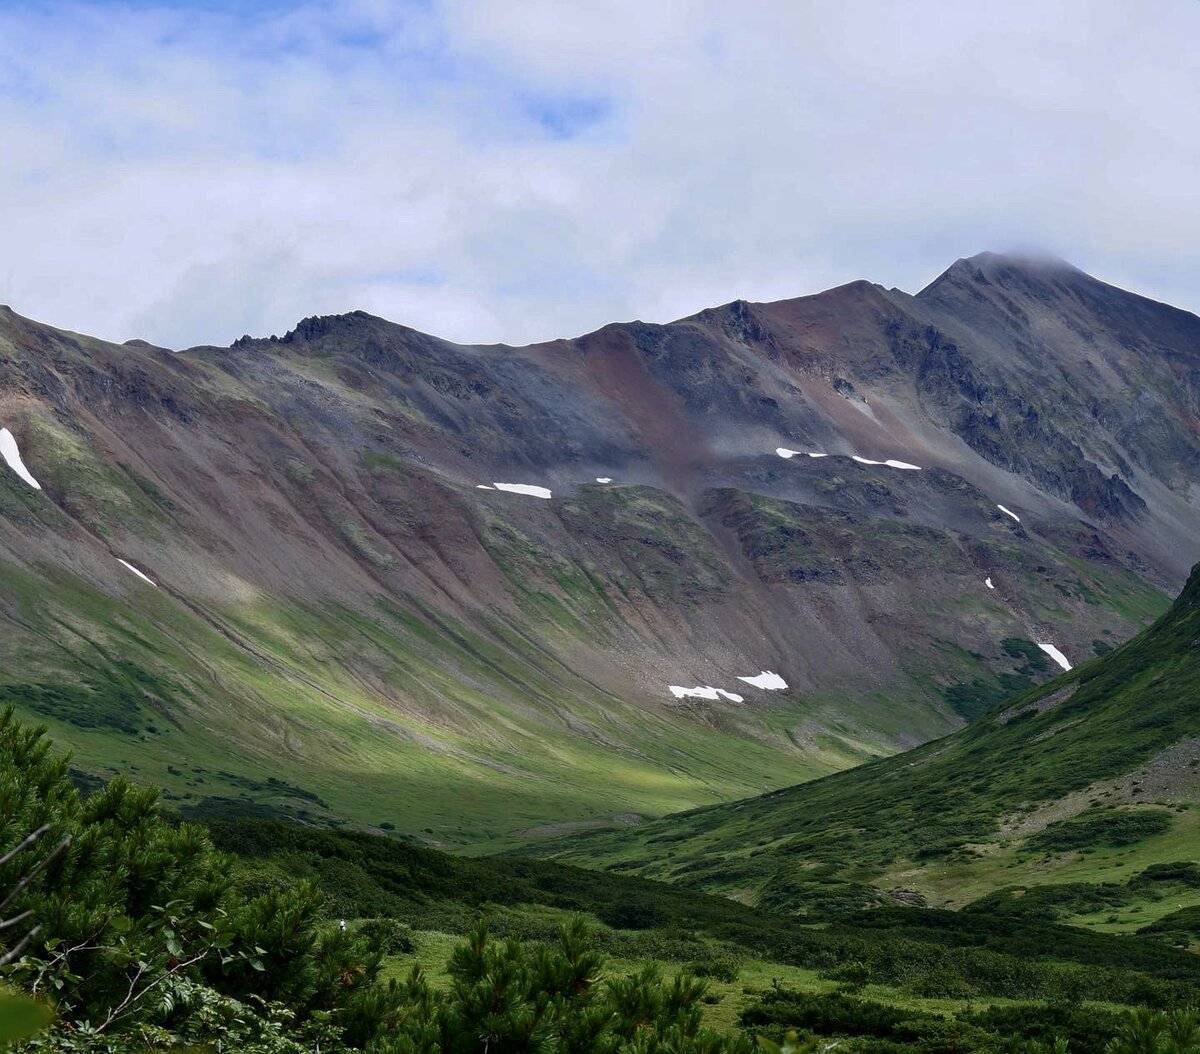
(1004, 270)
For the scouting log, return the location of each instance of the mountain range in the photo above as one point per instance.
(484, 595)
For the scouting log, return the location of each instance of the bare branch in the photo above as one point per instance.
(16, 920)
(29, 840)
(85, 945)
(127, 1005)
(12, 954)
(34, 872)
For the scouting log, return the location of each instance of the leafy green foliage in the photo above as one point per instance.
(21, 1017)
(720, 967)
(135, 911)
(839, 1014)
(1179, 927)
(874, 1027)
(1085, 1029)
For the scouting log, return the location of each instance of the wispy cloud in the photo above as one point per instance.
(520, 169)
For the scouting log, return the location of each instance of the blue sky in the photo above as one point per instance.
(524, 169)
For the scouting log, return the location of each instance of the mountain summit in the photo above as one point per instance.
(341, 573)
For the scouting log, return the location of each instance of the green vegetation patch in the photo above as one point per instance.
(1101, 827)
(668, 554)
(128, 700)
(789, 542)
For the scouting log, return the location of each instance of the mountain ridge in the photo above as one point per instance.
(325, 503)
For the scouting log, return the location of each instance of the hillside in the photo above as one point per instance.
(316, 576)
(341, 939)
(1070, 801)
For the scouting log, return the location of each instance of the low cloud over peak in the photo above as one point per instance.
(510, 171)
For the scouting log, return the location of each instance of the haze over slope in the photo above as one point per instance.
(345, 617)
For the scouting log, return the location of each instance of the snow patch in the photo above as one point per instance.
(988, 582)
(11, 454)
(787, 455)
(483, 486)
(772, 682)
(1009, 512)
(524, 488)
(141, 575)
(890, 463)
(1055, 654)
(703, 692)
(604, 479)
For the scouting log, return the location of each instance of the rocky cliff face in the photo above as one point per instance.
(350, 599)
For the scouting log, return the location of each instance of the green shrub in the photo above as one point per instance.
(942, 983)
(136, 910)
(635, 915)
(854, 975)
(836, 1014)
(1087, 1030)
(718, 967)
(1101, 827)
(389, 935)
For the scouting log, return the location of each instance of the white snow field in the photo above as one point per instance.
(604, 479)
(518, 488)
(1009, 512)
(11, 454)
(705, 692)
(988, 582)
(141, 575)
(767, 680)
(1055, 654)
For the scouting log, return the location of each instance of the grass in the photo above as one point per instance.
(953, 968)
(727, 1000)
(490, 746)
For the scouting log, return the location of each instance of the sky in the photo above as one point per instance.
(518, 170)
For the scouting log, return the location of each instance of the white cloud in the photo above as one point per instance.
(521, 169)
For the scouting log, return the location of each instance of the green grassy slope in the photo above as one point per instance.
(154, 689)
(1058, 784)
